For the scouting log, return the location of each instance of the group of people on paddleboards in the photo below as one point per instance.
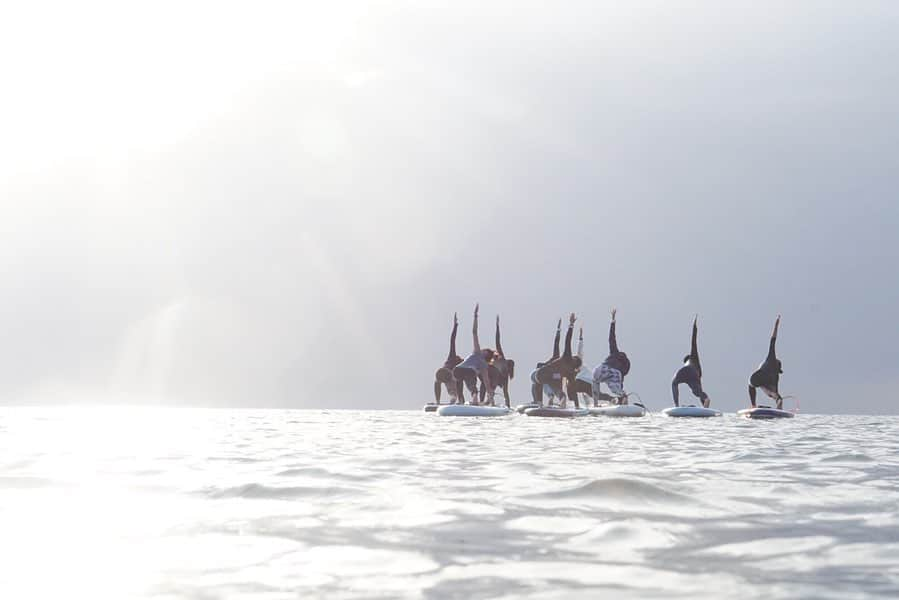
(561, 378)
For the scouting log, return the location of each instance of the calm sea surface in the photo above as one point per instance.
(181, 503)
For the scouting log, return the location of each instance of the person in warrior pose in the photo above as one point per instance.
(767, 376)
(474, 367)
(554, 389)
(501, 370)
(566, 367)
(444, 376)
(691, 373)
(612, 371)
(582, 384)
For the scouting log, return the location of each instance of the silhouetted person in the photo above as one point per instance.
(767, 376)
(565, 367)
(474, 367)
(612, 370)
(444, 375)
(691, 373)
(501, 371)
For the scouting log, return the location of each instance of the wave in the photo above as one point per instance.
(260, 491)
(318, 472)
(848, 457)
(26, 482)
(620, 489)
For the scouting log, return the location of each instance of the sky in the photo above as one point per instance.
(281, 204)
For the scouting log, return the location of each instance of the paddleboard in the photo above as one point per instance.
(467, 410)
(430, 408)
(618, 410)
(690, 411)
(765, 412)
(555, 411)
(523, 407)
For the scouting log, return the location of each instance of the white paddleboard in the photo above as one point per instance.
(555, 411)
(765, 412)
(467, 410)
(690, 411)
(618, 410)
(523, 407)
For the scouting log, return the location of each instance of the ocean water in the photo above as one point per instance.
(181, 503)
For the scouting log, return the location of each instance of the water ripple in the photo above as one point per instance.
(286, 504)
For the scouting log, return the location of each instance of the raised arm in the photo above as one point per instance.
(568, 336)
(556, 340)
(613, 343)
(474, 330)
(499, 346)
(580, 344)
(452, 351)
(771, 353)
(694, 349)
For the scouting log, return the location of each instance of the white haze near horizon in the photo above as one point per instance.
(282, 204)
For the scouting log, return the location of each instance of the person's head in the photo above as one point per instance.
(687, 359)
(780, 367)
(444, 375)
(489, 354)
(577, 362)
(504, 365)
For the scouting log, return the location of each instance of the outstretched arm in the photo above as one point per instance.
(568, 335)
(499, 346)
(474, 330)
(580, 344)
(452, 352)
(771, 353)
(556, 340)
(694, 350)
(613, 343)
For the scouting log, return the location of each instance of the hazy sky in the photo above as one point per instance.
(282, 204)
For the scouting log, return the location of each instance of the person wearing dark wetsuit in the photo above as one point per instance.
(612, 370)
(501, 371)
(565, 367)
(554, 389)
(444, 375)
(474, 367)
(691, 373)
(767, 376)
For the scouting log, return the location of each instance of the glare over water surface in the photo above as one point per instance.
(182, 503)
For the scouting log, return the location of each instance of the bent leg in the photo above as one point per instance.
(471, 382)
(774, 395)
(584, 388)
(696, 388)
(675, 393)
(537, 393)
(544, 376)
(572, 392)
(487, 386)
(615, 381)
